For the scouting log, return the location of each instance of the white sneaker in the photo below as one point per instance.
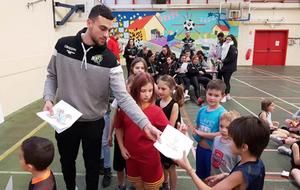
(276, 139)
(223, 99)
(228, 97)
(186, 96)
(284, 150)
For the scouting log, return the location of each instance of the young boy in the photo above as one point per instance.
(36, 154)
(249, 136)
(223, 160)
(208, 126)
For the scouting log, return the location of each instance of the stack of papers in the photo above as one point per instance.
(173, 143)
(63, 118)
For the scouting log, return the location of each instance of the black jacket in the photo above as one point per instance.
(230, 61)
(162, 59)
(152, 67)
(193, 70)
(140, 54)
(130, 51)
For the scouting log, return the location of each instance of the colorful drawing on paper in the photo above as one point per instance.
(60, 116)
(156, 29)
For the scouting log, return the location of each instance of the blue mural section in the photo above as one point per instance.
(156, 29)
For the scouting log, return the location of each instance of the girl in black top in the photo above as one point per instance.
(130, 53)
(171, 100)
(196, 74)
(152, 66)
(167, 65)
(162, 57)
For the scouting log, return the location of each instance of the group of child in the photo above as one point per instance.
(188, 70)
(228, 151)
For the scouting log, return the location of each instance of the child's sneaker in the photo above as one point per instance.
(284, 150)
(200, 101)
(223, 99)
(276, 139)
(228, 97)
(186, 97)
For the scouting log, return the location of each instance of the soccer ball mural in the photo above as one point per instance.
(189, 25)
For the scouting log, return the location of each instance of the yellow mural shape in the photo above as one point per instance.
(234, 23)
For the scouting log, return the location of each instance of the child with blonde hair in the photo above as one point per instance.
(223, 161)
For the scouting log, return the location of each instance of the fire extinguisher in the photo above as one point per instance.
(248, 54)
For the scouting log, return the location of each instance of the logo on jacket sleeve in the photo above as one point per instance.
(97, 59)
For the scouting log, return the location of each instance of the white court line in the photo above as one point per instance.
(275, 75)
(267, 93)
(15, 146)
(60, 174)
(293, 78)
(115, 175)
(244, 107)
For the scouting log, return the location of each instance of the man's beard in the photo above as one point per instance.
(97, 43)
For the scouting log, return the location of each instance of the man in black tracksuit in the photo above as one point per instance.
(82, 71)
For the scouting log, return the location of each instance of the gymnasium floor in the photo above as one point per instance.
(250, 85)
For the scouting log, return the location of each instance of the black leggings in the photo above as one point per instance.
(226, 76)
(128, 65)
(195, 80)
(185, 81)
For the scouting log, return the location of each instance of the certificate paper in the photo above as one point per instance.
(173, 143)
(63, 118)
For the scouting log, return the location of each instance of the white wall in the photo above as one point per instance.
(28, 39)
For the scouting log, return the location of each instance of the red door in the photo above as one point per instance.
(270, 47)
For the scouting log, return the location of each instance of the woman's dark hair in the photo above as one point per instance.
(233, 39)
(127, 45)
(169, 52)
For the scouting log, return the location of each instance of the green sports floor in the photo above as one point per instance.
(249, 86)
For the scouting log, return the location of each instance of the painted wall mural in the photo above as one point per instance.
(156, 29)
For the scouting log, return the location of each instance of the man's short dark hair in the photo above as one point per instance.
(216, 84)
(101, 10)
(251, 131)
(220, 35)
(38, 152)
